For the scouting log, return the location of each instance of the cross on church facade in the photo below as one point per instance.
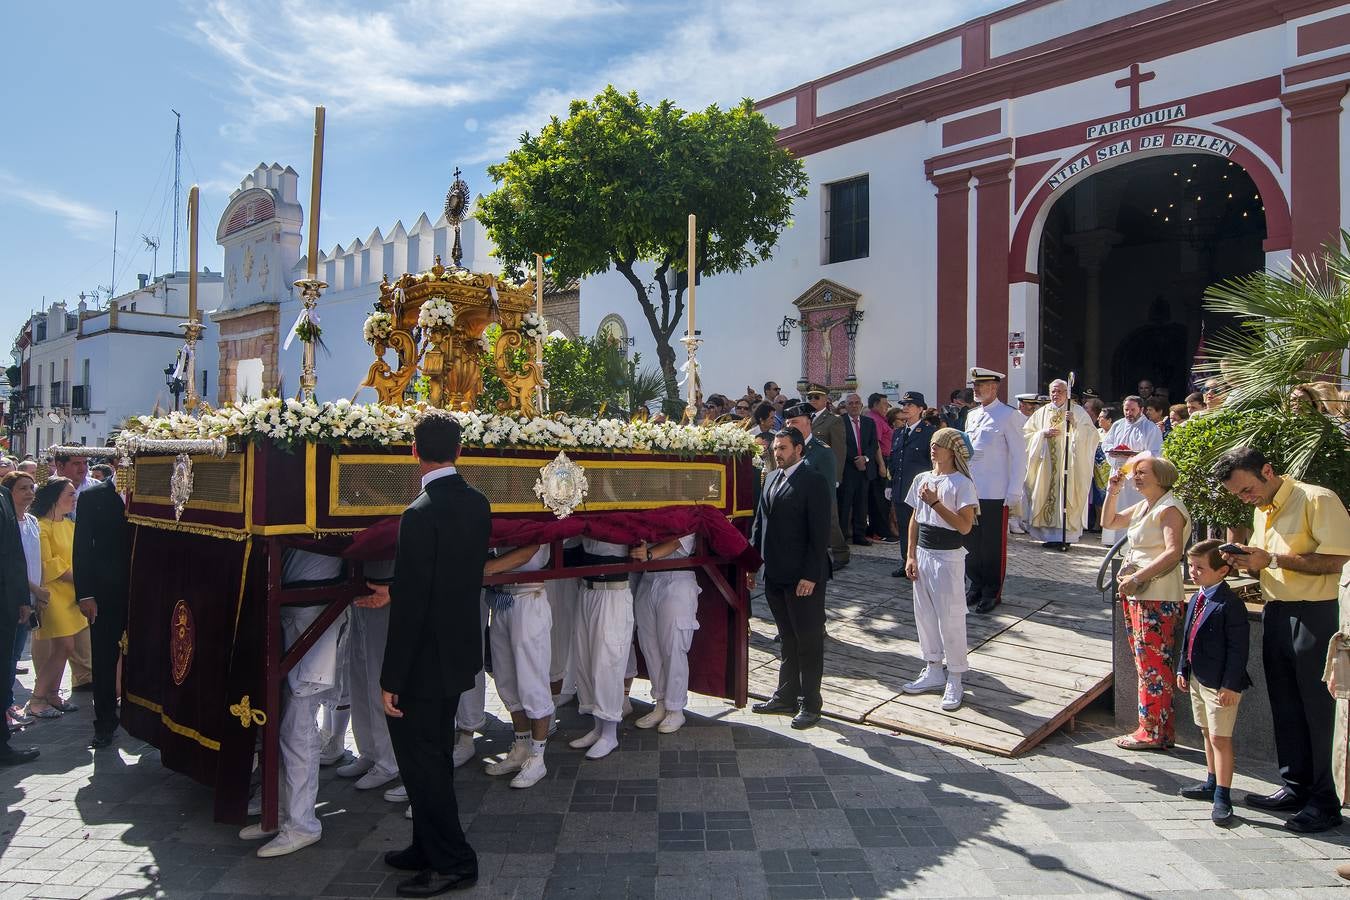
(1132, 81)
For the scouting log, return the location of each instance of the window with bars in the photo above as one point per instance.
(848, 220)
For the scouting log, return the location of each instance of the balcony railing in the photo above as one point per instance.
(79, 397)
(58, 393)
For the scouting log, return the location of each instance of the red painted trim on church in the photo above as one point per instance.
(1318, 36)
(953, 230)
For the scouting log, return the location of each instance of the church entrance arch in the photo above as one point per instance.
(1128, 235)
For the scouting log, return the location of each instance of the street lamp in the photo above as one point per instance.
(174, 383)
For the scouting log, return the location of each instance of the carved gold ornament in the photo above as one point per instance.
(247, 714)
(561, 485)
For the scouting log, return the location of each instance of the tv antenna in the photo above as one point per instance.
(153, 245)
(177, 179)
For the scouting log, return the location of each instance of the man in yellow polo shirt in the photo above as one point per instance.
(1300, 542)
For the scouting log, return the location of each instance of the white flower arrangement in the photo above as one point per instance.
(378, 327)
(292, 423)
(533, 327)
(436, 313)
(485, 342)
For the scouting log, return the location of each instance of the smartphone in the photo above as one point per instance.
(1232, 548)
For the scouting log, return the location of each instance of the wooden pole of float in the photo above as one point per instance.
(192, 328)
(539, 311)
(691, 340)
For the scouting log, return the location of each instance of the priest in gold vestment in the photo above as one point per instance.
(1045, 432)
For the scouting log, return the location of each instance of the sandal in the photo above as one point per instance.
(51, 712)
(64, 705)
(1130, 742)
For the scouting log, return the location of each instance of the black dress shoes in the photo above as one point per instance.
(775, 708)
(898, 573)
(986, 605)
(430, 883)
(862, 542)
(102, 740)
(12, 756)
(1198, 791)
(805, 719)
(1312, 821)
(407, 859)
(1222, 813)
(1283, 800)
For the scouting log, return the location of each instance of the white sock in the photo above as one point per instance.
(609, 739)
(537, 747)
(522, 736)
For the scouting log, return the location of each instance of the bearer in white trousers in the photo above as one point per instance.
(521, 634)
(603, 640)
(945, 505)
(374, 765)
(308, 685)
(666, 611)
(471, 714)
(335, 716)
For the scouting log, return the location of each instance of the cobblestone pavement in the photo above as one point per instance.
(733, 805)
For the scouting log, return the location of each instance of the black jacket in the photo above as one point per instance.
(792, 530)
(869, 445)
(909, 458)
(102, 545)
(435, 643)
(819, 456)
(1219, 658)
(13, 570)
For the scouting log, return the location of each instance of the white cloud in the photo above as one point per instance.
(81, 218)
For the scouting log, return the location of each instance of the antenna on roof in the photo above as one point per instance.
(177, 180)
(153, 244)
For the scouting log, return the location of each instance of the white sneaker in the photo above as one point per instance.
(513, 761)
(332, 759)
(627, 707)
(586, 740)
(356, 768)
(287, 842)
(254, 832)
(952, 694)
(397, 794)
(672, 723)
(375, 778)
(653, 718)
(464, 748)
(531, 773)
(932, 678)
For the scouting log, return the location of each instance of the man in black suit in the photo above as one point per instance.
(792, 533)
(13, 607)
(860, 469)
(102, 573)
(434, 650)
(908, 459)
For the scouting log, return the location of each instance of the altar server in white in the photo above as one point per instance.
(666, 611)
(1135, 431)
(604, 637)
(945, 505)
(308, 684)
(522, 624)
(998, 467)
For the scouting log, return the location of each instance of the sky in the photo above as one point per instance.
(412, 90)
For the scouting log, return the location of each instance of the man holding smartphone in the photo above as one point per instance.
(1300, 542)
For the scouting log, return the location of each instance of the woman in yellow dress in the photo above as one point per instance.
(60, 618)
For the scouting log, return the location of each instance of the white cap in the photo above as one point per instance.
(978, 374)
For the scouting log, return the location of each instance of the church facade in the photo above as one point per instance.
(1047, 189)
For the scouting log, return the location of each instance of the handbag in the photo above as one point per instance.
(1128, 571)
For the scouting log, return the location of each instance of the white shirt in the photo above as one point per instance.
(999, 465)
(31, 536)
(684, 549)
(436, 473)
(1139, 435)
(301, 566)
(600, 548)
(955, 491)
(534, 563)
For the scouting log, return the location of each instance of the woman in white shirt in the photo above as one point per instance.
(946, 503)
(23, 489)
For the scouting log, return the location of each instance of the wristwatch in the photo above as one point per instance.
(1274, 562)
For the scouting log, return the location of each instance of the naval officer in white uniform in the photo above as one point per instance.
(999, 469)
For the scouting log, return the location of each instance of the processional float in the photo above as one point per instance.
(216, 496)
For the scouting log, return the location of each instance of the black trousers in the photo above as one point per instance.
(1294, 651)
(879, 508)
(105, 648)
(424, 741)
(986, 546)
(903, 513)
(8, 626)
(853, 504)
(801, 623)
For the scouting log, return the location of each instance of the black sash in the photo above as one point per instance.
(935, 537)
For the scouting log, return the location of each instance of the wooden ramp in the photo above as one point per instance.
(1039, 659)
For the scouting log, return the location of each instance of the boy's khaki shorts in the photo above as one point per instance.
(1209, 715)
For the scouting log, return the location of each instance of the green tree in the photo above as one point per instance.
(613, 185)
(584, 374)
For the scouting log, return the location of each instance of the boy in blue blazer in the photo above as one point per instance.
(1213, 668)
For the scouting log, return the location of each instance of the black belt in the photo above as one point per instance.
(935, 537)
